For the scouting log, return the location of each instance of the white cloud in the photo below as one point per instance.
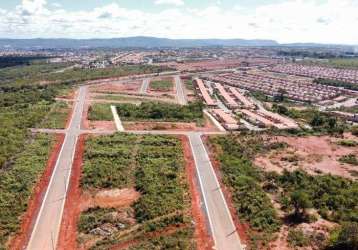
(169, 2)
(330, 21)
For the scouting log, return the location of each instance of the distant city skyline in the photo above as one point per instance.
(318, 21)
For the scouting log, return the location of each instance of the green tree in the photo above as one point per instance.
(317, 120)
(300, 202)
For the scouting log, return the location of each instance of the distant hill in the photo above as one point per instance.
(137, 42)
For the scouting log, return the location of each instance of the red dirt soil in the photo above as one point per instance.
(241, 228)
(102, 125)
(171, 126)
(112, 198)
(29, 218)
(68, 231)
(203, 239)
(113, 87)
(317, 154)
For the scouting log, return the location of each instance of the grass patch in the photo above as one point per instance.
(17, 183)
(162, 85)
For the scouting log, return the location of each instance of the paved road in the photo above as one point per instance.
(220, 220)
(46, 229)
(180, 91)
(144, 87)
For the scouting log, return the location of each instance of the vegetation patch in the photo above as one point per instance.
(162, 85)
(161, 112)
(100, 112)
(296, 238)
(57, 117)
(17, 182)
(349, 159)
(250, 200)
(336, 83)
(154, 166)
(344, 237)
(300, 196)
(31, 104)
(189, 84)
(347, 143)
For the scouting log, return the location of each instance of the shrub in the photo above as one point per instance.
(348, 143)
(296, 238)
(161, 111)
(345, 237)
(349, 159)
(250, 200)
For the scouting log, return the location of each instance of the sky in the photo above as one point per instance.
(320, 21)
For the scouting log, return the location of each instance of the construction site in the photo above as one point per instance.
(198, 158)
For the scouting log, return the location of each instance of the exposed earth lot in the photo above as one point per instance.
(134, 194)
(117, 87)
(314, 154)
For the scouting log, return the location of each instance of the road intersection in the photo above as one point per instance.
(46, 229)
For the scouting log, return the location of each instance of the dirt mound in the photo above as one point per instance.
(116, 197)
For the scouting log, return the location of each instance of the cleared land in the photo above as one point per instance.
(117, 87)
(146, 171)
(314, 154)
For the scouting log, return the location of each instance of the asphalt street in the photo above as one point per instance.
(144, 87)
(46, 229)
(221, 224)
(180, 91)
